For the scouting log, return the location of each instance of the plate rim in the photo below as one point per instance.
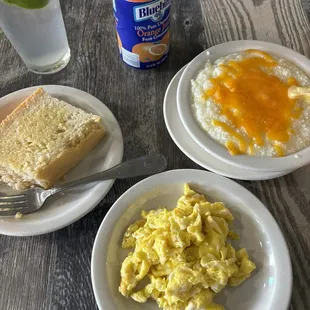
(272, 175)
(97, 189)
(213, 147)
(286, 282)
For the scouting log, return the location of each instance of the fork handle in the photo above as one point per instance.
(145, 165)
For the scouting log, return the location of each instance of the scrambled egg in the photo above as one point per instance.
(185, 255)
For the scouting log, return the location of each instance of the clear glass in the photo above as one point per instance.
(38, 35)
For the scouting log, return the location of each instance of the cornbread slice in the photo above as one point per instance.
(43, 138)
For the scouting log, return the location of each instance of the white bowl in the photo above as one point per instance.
(184, 101)
(269, 286)
(194, 151)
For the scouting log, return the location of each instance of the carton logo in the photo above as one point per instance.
(154, 11)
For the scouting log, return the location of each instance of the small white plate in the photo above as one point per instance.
(268, 288)
(197, 153)
(66, 208)
(267, 164)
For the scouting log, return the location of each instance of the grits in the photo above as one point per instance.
(208, 111)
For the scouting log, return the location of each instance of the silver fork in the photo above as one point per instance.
(31, 200)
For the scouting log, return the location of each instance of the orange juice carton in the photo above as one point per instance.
(143, 31)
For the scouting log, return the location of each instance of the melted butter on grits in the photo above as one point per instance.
(253, 112)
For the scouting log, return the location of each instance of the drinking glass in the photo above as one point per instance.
(36, 30)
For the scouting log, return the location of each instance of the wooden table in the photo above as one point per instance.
(53, 271)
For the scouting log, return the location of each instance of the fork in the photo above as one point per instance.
(31, 200)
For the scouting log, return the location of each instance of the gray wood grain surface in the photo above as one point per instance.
(53, 271)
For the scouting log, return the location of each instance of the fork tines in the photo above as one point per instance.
(14, 201)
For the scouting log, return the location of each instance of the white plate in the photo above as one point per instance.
(66, 208)
(268, 288)
(271, 164)
(197, 153)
